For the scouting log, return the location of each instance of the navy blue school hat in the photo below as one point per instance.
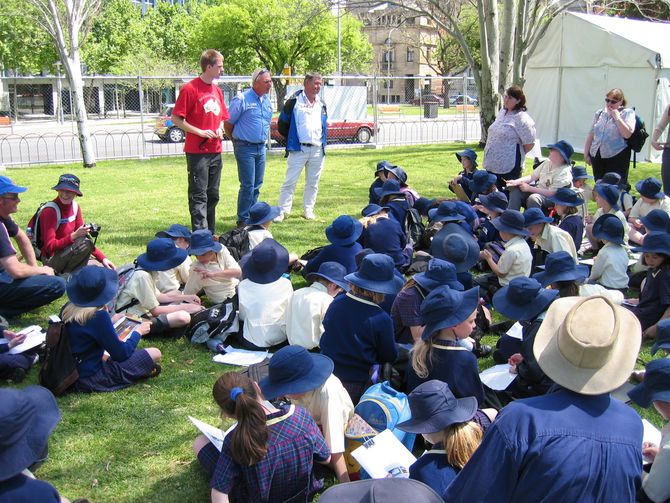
(656, 221)
(495, 201)
(481, 181)
(580, 173)
(382, 165)
(388, 490)
(376, 274)
(423, 204)
(662, 336)
(655, 386)
(654, 242)
(7, 186)
(456, 245)
(511, 221)
(563, 148)
(161, 255)
(68, 182)
(534, 216)
(608, 227)
(611, 178)
(650, 187)
(202, 242)
(566, 196)
(294, 370)
(609, 193)
(262, 212)
(92, 286)
(434, 408)
(447, 211)
(372, 209)
(560, 266)
(265, 263)
(399, 173)
(468, 153)
(175, 231)
(445, 307)
(390, 188)
(438, 273)
(333, 272)
(344, 230)
(28, 416)
(523, 299)
(467, 211)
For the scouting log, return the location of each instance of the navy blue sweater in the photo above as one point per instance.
(345, 255)
(386, 236)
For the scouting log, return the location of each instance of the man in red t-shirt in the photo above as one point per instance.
(200, 111)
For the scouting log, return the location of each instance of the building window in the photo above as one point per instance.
(388, 84)
(410, 55)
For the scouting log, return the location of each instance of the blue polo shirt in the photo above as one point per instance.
(251, 115)
(8, 229)
(26, 490)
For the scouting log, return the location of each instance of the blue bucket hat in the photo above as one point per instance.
(511, 221)
(609, 193)
(376, 274)
(651, 188)
(175, 231)
(468, 212)
(447, 211)
(654, 242)
(534, 216)
(662, 336)
(372, 209)
(344, 230)
(423, 204)
(608, 227)
(445, 307)
(161, 255)
(468, 153)
(390, 188)
(261, 213)
(28, 416)
(481, 181)
(495, 201)
(523, 299)
(92, 286)
(333, 272)
(294, 370)
(655, 386)
(382, 165)
(560, 266)
(399, 173)
(580, 173)
(438, 273)
(434, 408)
(68, 182)
(202, 242)
(381, 491)
(611, 178)
(265, 263)
(456, 245)
(566, 196)
(7, 186)
(656, 221)
(563, 148)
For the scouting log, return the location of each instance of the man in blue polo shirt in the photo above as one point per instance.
(23, 285)
(248, 127)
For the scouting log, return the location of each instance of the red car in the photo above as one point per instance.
(358, 131)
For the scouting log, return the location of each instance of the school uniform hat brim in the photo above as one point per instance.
(390, 188)
(656, 221)
(560, 266)
(580, 173)
(161, 255)
(438, 273)
(495, 201)
(92, 286)
(511, 221)
(523, 299)
(609, 193)
(7, 186)
(567, 197)
(265, 263)
(456, 245)
(381, 491)
(294, 370)
(662, 336)
(445, 307)
(651, 188)
(534, 216)
(399, 173)
(344, 230)
(331, 271)
(202, 241)
(376, 274)
(423, 204)
(654, 242)
(434, 408)
(382, 165)
(175, 231)
(70, 183)
(445, 212)
(655, 386)
(481, 181)
(587, 344)
(28, 416)
(608, 227)
(261, 213)
(372, 209)
(564, 148)
(469, 154)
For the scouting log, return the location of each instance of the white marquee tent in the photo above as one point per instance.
(580, 58)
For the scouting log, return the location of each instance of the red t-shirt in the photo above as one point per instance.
(202, 106)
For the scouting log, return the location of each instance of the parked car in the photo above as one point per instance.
(358, 131)
(458, 100)
(428, 98)
(165, 128)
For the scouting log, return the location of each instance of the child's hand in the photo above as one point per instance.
(649, 450)
(192, 299)
(485, 255)
(143, 328)
(14, 339)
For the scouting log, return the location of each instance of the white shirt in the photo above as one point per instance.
(516, 260)
(172, 279)
(216, 289)
(551, 178)
(619, 214)
(308, 119)
(141, 286)
(615, 296)
(257, 236)
(555, 239)
(610, 266)
(305, 314)
(263, 310)
(642, 208)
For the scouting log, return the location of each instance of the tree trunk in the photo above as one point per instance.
(507, 33)
(280, 91)
(73, 71)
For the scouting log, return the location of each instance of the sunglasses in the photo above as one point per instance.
(13, 197)
(611, 102)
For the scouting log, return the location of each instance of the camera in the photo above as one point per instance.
(93, 229)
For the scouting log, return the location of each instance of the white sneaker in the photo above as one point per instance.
(280, 217)
(309, 215)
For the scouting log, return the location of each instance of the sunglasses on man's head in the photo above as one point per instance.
(611, 102)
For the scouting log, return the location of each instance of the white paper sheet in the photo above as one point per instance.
(515, 331)
(652, 435)
(34, 337)
(241, 357)
(497, 377)
(215, 435)
(384, 456)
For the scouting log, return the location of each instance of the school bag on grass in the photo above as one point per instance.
(59, 369)
(125, 272)
(413, 226)
(216, 321)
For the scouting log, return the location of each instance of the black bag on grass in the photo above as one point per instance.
(213, 321)
(59, 369)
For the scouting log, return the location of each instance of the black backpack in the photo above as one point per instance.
(33, 230)
(237, 242)
(639, 136)
(413, 226)
(213, 321)
(59, 368)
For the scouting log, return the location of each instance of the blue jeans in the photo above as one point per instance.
(250, 159)
(23, 295)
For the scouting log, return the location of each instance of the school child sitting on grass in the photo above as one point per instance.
(607, 199)
(214, 271)
(468, 159)
(343, 235)
(567, 205)
(547, 238)
(175, 278)
(651, 198)
(399, 174)
(380, 178)
(91, 333)
(14, 367)
(394, 199)
(610, 266)
(491, 206)
(261, 217)
(307, 380)
(482, 184)
(383, 234)
(626, 201)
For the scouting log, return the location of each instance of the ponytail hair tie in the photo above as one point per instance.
(235, 392)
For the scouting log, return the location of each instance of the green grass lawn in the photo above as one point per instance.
(135, 445)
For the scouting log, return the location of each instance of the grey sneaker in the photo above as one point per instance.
(309, 215)
(280, 217)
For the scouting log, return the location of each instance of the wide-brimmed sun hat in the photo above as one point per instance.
(28, 416)
(390, 188)
(92, 286)
(523, 299)
(456, 245)
(662, 336)
(434, 408)
(534, 216)
(445, 307)
(161, 255)
(7, 186)
(372, 209)
(202, 241)
(294, 370)
(656, 220)
(608, 227)
(609, 193)
(68, 182)
(560, 266)
(175, 231)
(423, 205)
(655, 242)
(376, 274)
(469, 154)
(382, 165)
(438, 273)
(566, 196)
(388, 490)
(651, 188)
(333, 272)
(262, 212)
(344, 230)
(265, 263)
(655, 386)
(399, 173)
(447, 211)
(588, 344)
(580, 173)
(511, 221)
(611, 178)
(481, 181)
(495, 201)
(563, 148)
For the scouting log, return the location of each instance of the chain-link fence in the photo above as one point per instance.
(129, 117)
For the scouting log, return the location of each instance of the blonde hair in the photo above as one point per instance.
(372, 219)
(421, 356)
(460, 441)
(376, 297)
(77, 314)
